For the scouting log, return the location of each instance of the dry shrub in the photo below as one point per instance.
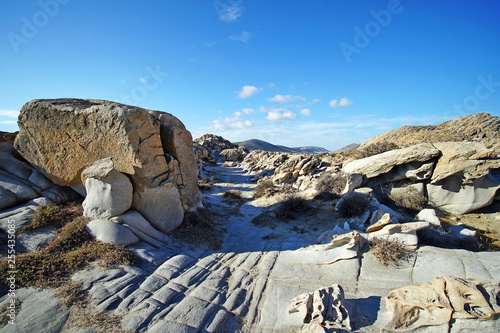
(232, 196)
(72, 250)
(409, 200)
(330, 186)
(83, 314)
(205, 184)
(199, 228)
(353, 204)
(388, 252)
(374, 149)
(53, 214)
(266, 189)
(72, 293)
(291, 205)
(4, 311)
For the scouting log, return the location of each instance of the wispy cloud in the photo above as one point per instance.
(248, 111)
(8, 122)
(243, 36)
(314, 101)
(248, 91)
(285, 98)
(334, 103)
(143, 80)
(306, 112)
(228, 13)
(9, 113)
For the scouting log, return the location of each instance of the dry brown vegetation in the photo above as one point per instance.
(388, 252)
(232, 196)
(267, 189)
(205, 184)
(291, 205)
(353, 204)
(73, 249)
(199, 228)
(83, 314)
(373, 149)
(53, 214)
(409, 200)
(330, 186)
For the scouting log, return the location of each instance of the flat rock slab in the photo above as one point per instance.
(248, 285)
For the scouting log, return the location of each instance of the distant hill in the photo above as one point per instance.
(348, 148)
(255, 144)
(472, 127)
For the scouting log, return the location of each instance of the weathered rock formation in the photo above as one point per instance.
(474, 127)
(283, 168)
(322, 310)
(211, 145)
(458, 177)
(440, 301)
(63, 137)
(465, 177)
(414, 163)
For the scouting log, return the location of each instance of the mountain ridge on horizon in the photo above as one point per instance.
(256, 144)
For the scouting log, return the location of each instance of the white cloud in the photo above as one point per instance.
(248, 111)
(244, 36)
(314, 101)
(8, 122)
(234, 122)
(248, 91)
(143, 80)
(305, 112)
(228, 13)
(9, 113)
(340, 103)
(230, 123)
(285, 98)
(210, 44)
(280, 114)
(271, 85)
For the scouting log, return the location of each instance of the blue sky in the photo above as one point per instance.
(293, 72)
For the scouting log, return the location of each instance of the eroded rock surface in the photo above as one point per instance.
(437, 302)
(465, 178)
(322, 310)
(62, 137)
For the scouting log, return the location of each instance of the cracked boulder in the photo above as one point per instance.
(63, 137)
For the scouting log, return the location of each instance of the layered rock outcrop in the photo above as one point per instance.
(458, 177)
(63, 137)
(474, 127)
(465, 178)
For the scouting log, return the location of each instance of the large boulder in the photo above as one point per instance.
(465, 178)
(62, 137)
(413, 163)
